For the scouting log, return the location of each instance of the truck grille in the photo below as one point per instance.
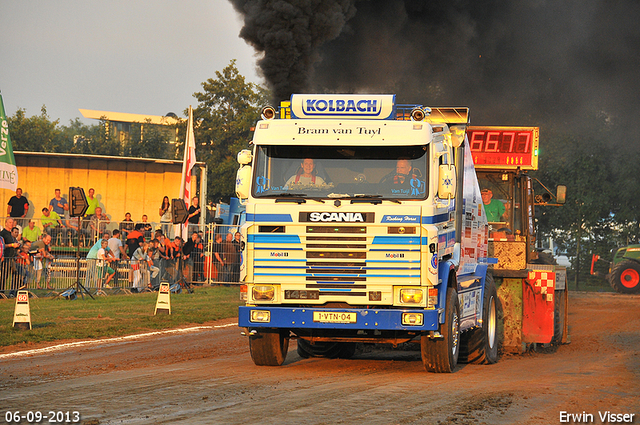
(338, 260)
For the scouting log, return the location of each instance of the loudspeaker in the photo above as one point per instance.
(179, 211)
(79, 204)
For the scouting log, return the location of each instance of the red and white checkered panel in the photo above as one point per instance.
(543, 282)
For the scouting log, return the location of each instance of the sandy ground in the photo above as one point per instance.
(206, 376)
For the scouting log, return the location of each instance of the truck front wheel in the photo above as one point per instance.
(440, 355)
(480, 346)
(269, 347)
(625, 277)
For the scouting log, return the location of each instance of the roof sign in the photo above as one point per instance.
(344, 106)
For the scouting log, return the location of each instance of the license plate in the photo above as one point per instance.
(333, 317)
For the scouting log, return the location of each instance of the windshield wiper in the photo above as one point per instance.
(374, 199)
(362, 198)
(298, 198)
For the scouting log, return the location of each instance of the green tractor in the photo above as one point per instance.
(624, 270)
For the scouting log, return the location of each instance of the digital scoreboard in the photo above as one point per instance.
(504, 147)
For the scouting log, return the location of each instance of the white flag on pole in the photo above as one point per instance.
(187, 166)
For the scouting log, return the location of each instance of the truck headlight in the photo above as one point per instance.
(411, 296)
(261, 316)
(263, 293)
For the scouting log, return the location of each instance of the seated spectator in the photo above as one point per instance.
(98, 223)
(146, 227)
(126, 226)
(51, 223)
(73, 227)
(15, 232)
(31, 233)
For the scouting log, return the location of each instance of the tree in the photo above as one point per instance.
(35, 134)
(227, 109)
(148, 140)
(92, 139)
(585, 224)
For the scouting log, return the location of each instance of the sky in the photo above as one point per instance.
(134, 56)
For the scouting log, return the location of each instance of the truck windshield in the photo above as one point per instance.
(382, 172)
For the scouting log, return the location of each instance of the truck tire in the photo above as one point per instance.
(625, 277)
(558, 317)
(331, 350)
(269, 347)
(480, 346)
(440, 355)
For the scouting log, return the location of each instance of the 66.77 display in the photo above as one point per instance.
(506, 147)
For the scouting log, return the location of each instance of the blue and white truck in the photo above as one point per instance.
(365, 224)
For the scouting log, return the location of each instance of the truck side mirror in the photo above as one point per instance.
(561, 194)
(243, 181)
(245, 157)
(243, 176)
(447, 181)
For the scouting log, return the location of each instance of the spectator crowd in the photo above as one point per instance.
(149, 256)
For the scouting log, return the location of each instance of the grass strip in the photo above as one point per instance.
(115, 315)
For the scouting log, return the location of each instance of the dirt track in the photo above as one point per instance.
(207, 377)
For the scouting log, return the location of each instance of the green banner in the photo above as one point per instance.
(8, 169)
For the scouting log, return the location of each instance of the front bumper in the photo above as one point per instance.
(303, 318)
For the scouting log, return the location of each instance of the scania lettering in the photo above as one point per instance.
(385, 232)
(315, 216)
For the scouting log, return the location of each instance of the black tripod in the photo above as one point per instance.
(77, 286)
(182, 281)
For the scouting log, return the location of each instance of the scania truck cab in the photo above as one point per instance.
(364, 224)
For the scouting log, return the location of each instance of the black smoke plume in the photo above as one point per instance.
(288, 34)
(520, 62)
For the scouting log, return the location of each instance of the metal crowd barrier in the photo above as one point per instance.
(66, 269)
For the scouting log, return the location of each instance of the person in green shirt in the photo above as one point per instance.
(51, 222)
(92, 203)
(493, 208)
(31, 233)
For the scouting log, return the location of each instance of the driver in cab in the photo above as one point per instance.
(401, 176)
(493, 208)
(306, 175)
